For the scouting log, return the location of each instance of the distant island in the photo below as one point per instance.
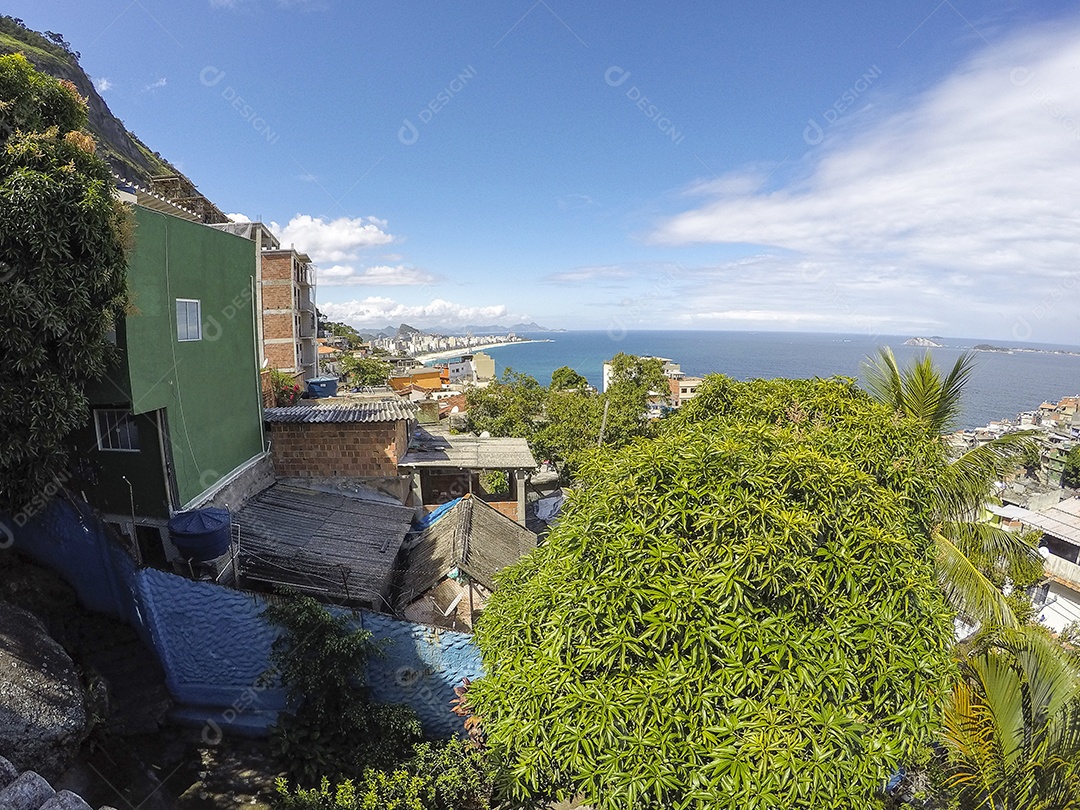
(930, 343)
(987, 347)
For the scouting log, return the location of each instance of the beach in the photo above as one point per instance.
(427, 358)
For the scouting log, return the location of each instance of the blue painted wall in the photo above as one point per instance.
(214, 644)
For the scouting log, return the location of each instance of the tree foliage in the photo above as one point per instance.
(62, 274)
(566, 421)
(333, 729)
(365, 370)
(1070, 473)
(741, 613)
(564, 378)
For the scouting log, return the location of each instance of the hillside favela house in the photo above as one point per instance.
(450, 560)
(446, 466)
(178, 419)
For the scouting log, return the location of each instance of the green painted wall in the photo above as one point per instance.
(209, 388)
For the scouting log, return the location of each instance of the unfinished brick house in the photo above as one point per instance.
(340, 439)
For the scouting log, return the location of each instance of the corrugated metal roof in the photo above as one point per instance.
(334, 544)
(380, 411)
(432, 449)
(1061, 520)
(472, 537)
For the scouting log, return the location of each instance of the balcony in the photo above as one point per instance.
(304, 275)
(1065, 572)
(306, 325)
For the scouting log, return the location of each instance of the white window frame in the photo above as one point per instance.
(109, 413)
(180, 332)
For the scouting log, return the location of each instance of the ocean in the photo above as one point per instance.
(1001, 386)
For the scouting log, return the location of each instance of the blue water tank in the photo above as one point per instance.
(201, 534)
(322, 386)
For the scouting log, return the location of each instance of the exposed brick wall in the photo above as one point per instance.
(277, 267)
(267, 387)
(277, 325)
(277, 296)
(352, 449)
(280, 355)
(508, 508)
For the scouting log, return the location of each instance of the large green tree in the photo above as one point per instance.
(569, 420)
(741, 613)
(974, 556)
(365, 370)
(62, 275)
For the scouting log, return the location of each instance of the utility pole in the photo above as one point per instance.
(603, 423)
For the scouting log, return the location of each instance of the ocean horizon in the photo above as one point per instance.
(1001, 385)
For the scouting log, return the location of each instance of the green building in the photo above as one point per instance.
(180, 416)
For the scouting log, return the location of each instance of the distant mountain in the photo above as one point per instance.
(405, 331)
(129, 157)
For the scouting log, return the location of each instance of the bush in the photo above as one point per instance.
(334, 729)
(454, 775)
(286, 390)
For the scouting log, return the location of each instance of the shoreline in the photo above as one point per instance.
(427, 358)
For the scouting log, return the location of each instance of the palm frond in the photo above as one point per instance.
(883, 379)
(967, 589)
(967, 484)
(988, 546)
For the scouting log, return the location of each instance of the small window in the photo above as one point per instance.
(116, 430)
(188, 319)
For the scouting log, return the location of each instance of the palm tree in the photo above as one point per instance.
(967, 548)
(1012, 727)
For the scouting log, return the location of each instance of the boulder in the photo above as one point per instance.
(43, 717)
(28, 792)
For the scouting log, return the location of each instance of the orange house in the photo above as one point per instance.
(429, 379)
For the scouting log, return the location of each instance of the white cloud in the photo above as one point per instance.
(959, 210)
(102, 85)
(333, 241)
(378, 312)
(239, 217)
(376, 276)
(156, 85)
(589, 275)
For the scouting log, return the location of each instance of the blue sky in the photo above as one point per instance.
(901, 167)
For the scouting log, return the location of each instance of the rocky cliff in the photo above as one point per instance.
(129, 157)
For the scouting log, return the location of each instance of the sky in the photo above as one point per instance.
(881, 168)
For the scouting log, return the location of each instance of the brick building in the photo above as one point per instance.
(336, 440)
(285, 301)
(288, 311)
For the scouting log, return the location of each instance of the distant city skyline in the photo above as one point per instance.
(897, 168)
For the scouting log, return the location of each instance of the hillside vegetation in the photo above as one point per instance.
(123, 151)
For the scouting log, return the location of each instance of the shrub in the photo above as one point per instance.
(333, 729)
(454, 775)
